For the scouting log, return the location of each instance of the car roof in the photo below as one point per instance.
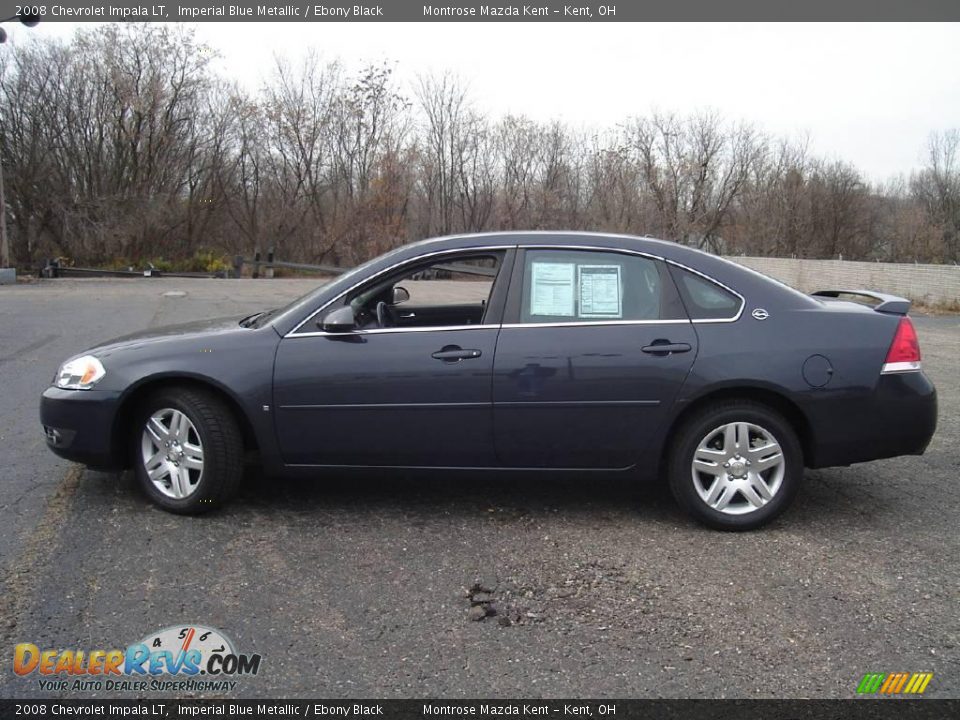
(746, 282)
(723, 270)
(526, 238)
(681, 254)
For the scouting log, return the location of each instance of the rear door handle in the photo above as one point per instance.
(665, 347)
(454, 353)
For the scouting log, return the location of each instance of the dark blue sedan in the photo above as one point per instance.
(540, 351)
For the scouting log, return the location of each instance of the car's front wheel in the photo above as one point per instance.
(735, 465)
(187, 450)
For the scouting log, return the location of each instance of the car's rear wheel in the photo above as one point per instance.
(735, 465)
(187, 450)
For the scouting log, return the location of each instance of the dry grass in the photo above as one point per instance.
(949, 307)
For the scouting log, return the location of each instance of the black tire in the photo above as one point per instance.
(697, 428)
(222, 443)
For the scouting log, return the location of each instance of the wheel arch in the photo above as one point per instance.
(774, 399)
(134, 397)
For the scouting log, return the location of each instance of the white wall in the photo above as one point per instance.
(929, 284)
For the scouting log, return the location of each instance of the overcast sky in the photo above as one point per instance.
(867, 93)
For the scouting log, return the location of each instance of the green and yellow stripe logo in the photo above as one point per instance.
(894, 683)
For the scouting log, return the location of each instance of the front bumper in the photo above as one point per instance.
(898, 418)
(79, 424)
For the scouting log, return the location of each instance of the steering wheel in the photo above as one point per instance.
(384, 315)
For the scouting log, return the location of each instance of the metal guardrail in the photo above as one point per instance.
(55, 269)
(468, 269)
(269, 264)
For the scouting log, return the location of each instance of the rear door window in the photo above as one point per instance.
(589, 286)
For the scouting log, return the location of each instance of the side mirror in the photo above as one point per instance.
(400, 295)
(338, 321)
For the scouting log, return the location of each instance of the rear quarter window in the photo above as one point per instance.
(703, 298)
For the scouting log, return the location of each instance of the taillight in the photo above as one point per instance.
(904, 352)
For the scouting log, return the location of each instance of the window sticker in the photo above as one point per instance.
(551, 289)
(600, 291)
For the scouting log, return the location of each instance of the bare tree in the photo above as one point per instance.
(937, 188)
(121, 144)
(694, 169)
(443, 145)
(368, 133)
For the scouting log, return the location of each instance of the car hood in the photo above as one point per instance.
(184, 331)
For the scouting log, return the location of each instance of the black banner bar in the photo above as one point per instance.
(862, 709)
(472, 11)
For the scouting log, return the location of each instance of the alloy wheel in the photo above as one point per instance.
(738, 468)
(172, 453)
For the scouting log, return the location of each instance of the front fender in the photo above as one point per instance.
(237, 366)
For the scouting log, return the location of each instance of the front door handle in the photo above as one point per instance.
(665, 347)
(455, 353)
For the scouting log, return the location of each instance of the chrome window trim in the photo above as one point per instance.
(743, 300)
(603, 248)
(393, 330)
(452, 328)
(575, 323)
(594, 323)
(651, 256)
(293, 333)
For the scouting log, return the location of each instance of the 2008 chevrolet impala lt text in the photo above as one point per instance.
(544, 351)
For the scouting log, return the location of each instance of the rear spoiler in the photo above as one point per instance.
(885, 303)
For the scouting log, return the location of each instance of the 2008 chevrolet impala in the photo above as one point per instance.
(522, 351)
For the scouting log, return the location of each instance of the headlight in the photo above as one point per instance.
(81, 373)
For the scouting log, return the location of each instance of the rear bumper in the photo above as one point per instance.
(78, 426)
(898, 418)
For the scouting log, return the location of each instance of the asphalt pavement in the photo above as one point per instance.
(361, 586)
